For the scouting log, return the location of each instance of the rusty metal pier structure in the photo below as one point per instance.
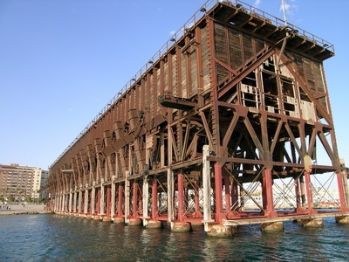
(222, 125)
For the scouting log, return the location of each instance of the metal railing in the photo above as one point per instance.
(205, 8)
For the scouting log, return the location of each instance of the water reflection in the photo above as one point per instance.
(47, 237)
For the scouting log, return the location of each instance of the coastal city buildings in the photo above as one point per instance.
(21, 182)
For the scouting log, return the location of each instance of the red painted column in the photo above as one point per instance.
(120, 201)
(218, 192)
(181, 211)
(268, 203)
(341, 192)
(154, 199)
(134, 200)
(108, 201)
(309, 192)
(227, 194)
(298, 194)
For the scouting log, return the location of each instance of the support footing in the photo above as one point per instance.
(180, 227)
(219, 230)
(119, 220)
(311, 223)
(272, 227)
(342, 220)
(106, 219)
(198, 223)
(96, 217)
(135, 222)
(152, 224)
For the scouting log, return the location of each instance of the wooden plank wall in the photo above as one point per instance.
(176, 73)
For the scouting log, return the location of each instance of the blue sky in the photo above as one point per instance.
(61, 61)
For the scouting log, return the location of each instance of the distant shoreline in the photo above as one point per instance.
(20, 209)
(14, 213)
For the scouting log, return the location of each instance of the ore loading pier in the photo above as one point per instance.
(222, 127)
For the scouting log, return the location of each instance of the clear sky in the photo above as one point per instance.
(61, 61)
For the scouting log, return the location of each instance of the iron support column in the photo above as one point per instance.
(86, 201)
(154, 199)
(170, 196)
(93, 199)
(79, 201)
(218, 192)
(341, 191)
(308, 191)
(134, 199)
(268, 203)
(145, 200)
(180, 181)
(206, 184)
(101, 207)
(112, 211)
(120, 200)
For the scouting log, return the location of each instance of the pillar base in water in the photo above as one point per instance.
(96, 217)
(272, 227)
(106, 219)
(218, 230)
(119, 220)
(135, 222)
(342, 220)
(180, 227)
(153, 224)
(311, 223)
(196, 223)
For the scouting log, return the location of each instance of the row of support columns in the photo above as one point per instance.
(128, 201)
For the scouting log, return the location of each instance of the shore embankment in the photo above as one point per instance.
(22, 209)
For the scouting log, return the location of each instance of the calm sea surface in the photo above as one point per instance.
(55, 238)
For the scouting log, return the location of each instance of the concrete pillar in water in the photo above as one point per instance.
(342, 219)
(311, 223)
(272, 227)
(219, 230)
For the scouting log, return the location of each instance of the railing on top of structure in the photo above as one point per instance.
(180, 33)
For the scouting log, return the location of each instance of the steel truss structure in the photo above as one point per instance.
(233, 111)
